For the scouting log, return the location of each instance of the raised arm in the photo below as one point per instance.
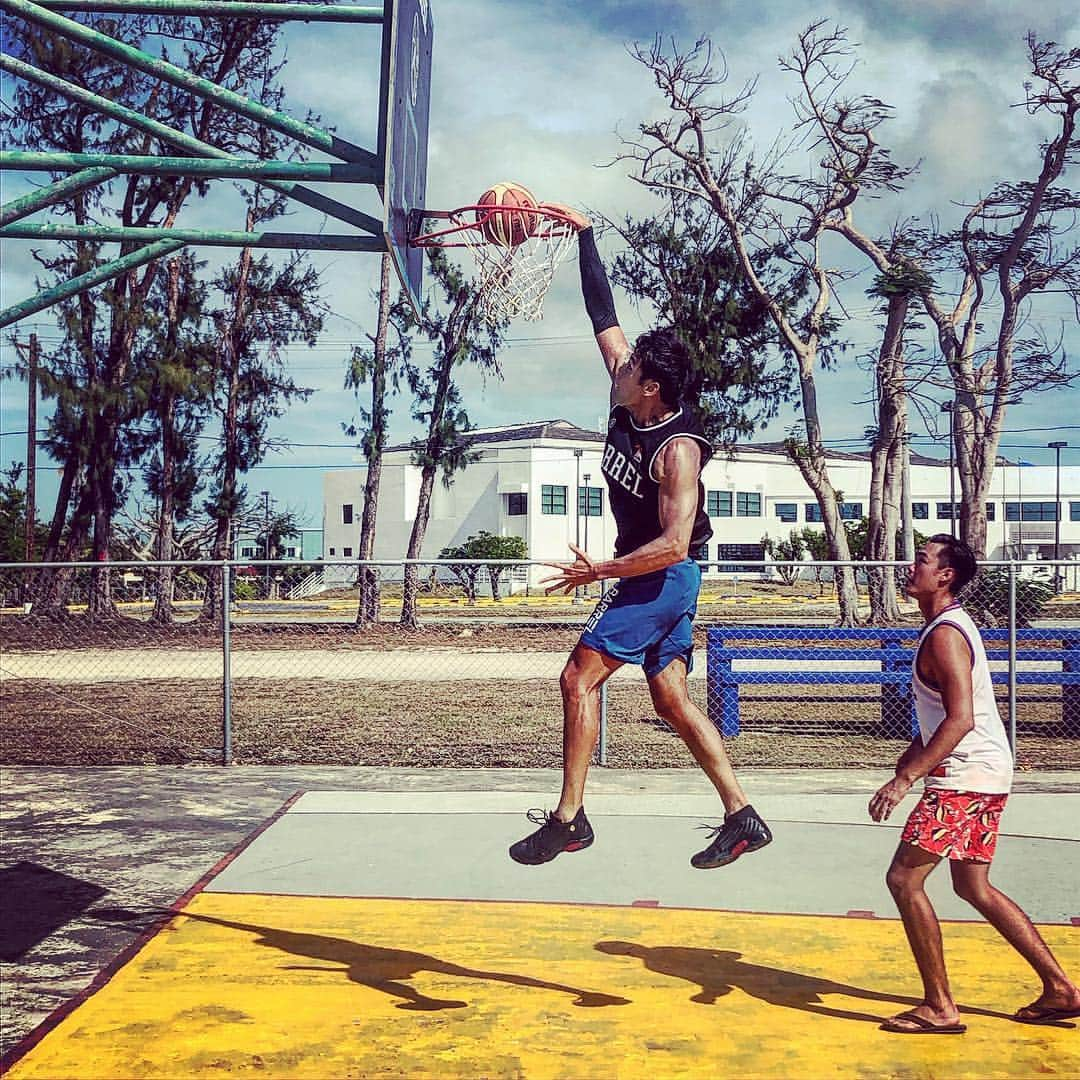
(595, 288)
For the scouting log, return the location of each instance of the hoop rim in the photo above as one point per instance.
(482, 213)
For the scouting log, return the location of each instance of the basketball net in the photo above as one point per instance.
(511, 281)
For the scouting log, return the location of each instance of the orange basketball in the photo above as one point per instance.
(500, 227)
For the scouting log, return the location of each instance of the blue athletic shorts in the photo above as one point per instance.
(648, 619)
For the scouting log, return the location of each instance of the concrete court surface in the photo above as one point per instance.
(373, 926)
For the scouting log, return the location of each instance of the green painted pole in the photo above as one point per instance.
(170, 73)
(347, 13)
(110, 164)
(54, 193)
(210, 237)
(88, 280)
(183, 141)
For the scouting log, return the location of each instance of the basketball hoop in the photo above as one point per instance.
(513, 274)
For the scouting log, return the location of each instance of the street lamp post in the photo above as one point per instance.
(947, 407)
(577, 513)
(1057, 447)
(586, 479)
(266, 541)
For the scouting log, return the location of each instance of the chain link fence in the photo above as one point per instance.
(439, 664)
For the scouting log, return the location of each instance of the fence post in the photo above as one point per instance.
(895, 703)
(1070, 695)
(1012, 657)
(603, 697)
(226, 665)
(722, 691)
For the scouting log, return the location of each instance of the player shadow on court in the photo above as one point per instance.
(388, 969)
(719, 971)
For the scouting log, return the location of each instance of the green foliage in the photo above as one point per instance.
(680, 263)
(786, 551)
(484, 545)
(988, 594)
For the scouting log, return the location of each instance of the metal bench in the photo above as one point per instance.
(871, 656)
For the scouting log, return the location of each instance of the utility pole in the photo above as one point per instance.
(577, 512)
(905, 497)
(266, 541)
(31, 446)
(947, 406)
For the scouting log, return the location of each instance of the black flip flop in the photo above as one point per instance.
(1044, 1014)
(922, 1026)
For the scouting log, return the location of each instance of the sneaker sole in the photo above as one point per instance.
(576, 845)
(739, 851)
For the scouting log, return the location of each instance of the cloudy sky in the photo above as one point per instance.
(542, 93)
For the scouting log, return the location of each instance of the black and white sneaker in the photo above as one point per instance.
(741, 832)
(552, 838)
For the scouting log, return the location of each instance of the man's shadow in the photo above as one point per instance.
(387, 969)
(719, 971)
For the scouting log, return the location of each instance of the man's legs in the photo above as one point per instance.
(672, 703)
(743, 830)
(971, 881)
(906, 880)
(585, 672)
(568, 829)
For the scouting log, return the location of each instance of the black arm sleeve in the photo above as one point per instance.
(599, 303)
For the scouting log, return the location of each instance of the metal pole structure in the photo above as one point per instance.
(266, 542)
(947, 406)
(1020, 509)
(603, 701)
(31, 445)
(586, 478)
(226, 665)
(49, 195)
(1012, 657)
(905, 498)
(210, 237)
(1057, 448)
(577, 513)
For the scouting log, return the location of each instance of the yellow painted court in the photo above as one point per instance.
(323, 949)
(320, 987)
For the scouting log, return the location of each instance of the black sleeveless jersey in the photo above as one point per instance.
(629, 456)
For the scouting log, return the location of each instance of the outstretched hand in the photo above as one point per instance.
(582, 571)
(578, 219)
(888, 797)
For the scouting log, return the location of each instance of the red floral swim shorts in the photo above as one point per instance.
(959, 825)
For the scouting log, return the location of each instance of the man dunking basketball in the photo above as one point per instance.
(652, 463)
(963, 753)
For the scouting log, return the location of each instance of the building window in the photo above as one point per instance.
(718, 503)
(552, 499)
(1074, 511)
(748, 504)
(851, 511)
(247, 553)
(948, 511)
(346, 514)
(991, 511)
(788, 512)
(739, 551)
(1032, 511)
(517, 505)
(813, 511)
(590, 501)
(920, 511)
(347, 552)
(290, 553)
(332, 551)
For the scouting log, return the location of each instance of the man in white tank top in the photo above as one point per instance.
(963, 754)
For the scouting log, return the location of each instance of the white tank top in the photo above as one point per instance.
(982, 760)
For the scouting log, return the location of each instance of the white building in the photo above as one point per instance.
(527, 474)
